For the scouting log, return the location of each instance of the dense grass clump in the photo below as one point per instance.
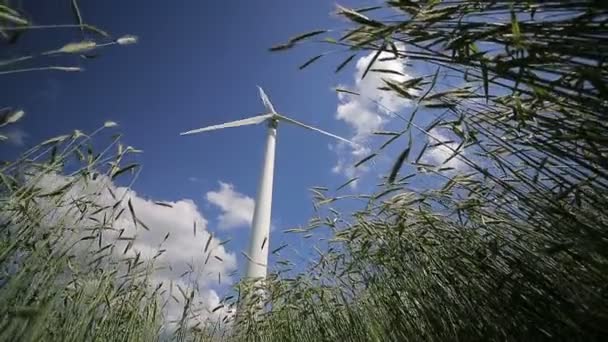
(72, 267)
(61, 276)
(513, 246)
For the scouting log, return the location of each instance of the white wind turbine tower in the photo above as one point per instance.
(259, 239)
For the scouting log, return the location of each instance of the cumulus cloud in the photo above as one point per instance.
(237, 209)
(369, 111)
(172, 233)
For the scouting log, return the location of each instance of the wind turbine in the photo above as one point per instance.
(257, 263)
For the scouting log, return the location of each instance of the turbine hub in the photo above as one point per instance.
(273, 122)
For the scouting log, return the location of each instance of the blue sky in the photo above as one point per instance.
(197, 64)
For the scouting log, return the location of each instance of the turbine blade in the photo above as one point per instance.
(266, 101)
(254, 120)
(297, 123)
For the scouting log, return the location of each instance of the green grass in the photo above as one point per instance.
(514, 246)
(60, 279)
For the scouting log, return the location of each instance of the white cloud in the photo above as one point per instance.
(438, 154)
(356, 113)
(346, 160)
(369, 111)
(183, 248)
(237, 209)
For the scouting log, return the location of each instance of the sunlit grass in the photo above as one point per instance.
(511, 247)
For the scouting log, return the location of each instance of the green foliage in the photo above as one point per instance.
(59, 277)
(511, 247)
(68, 267)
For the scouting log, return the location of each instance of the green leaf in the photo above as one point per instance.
(224, 242)
(386, 192)
(145, 226)
(358, 17)
(386, 133)
(109, 124)
(341, 90)
(13, 18)
(55, 140)
(367, 9)
(5, 8)
(309, 62)
(380, 50)
(399, 162)
(130, 205)
(275, 251)
(486, 83)
(27, 312)
(132, 150)
(306, 36)
(14, 116)
(399, 90)
(208, 242)
(515, 28)
(389, 141)
(388, 71)
(345, 62)
(58, 191)
(11, 117)
(351, 33)
(359, 163)
(354, 179)
(78, 47)
(123, 170)
(282, 47)
(431, 86)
